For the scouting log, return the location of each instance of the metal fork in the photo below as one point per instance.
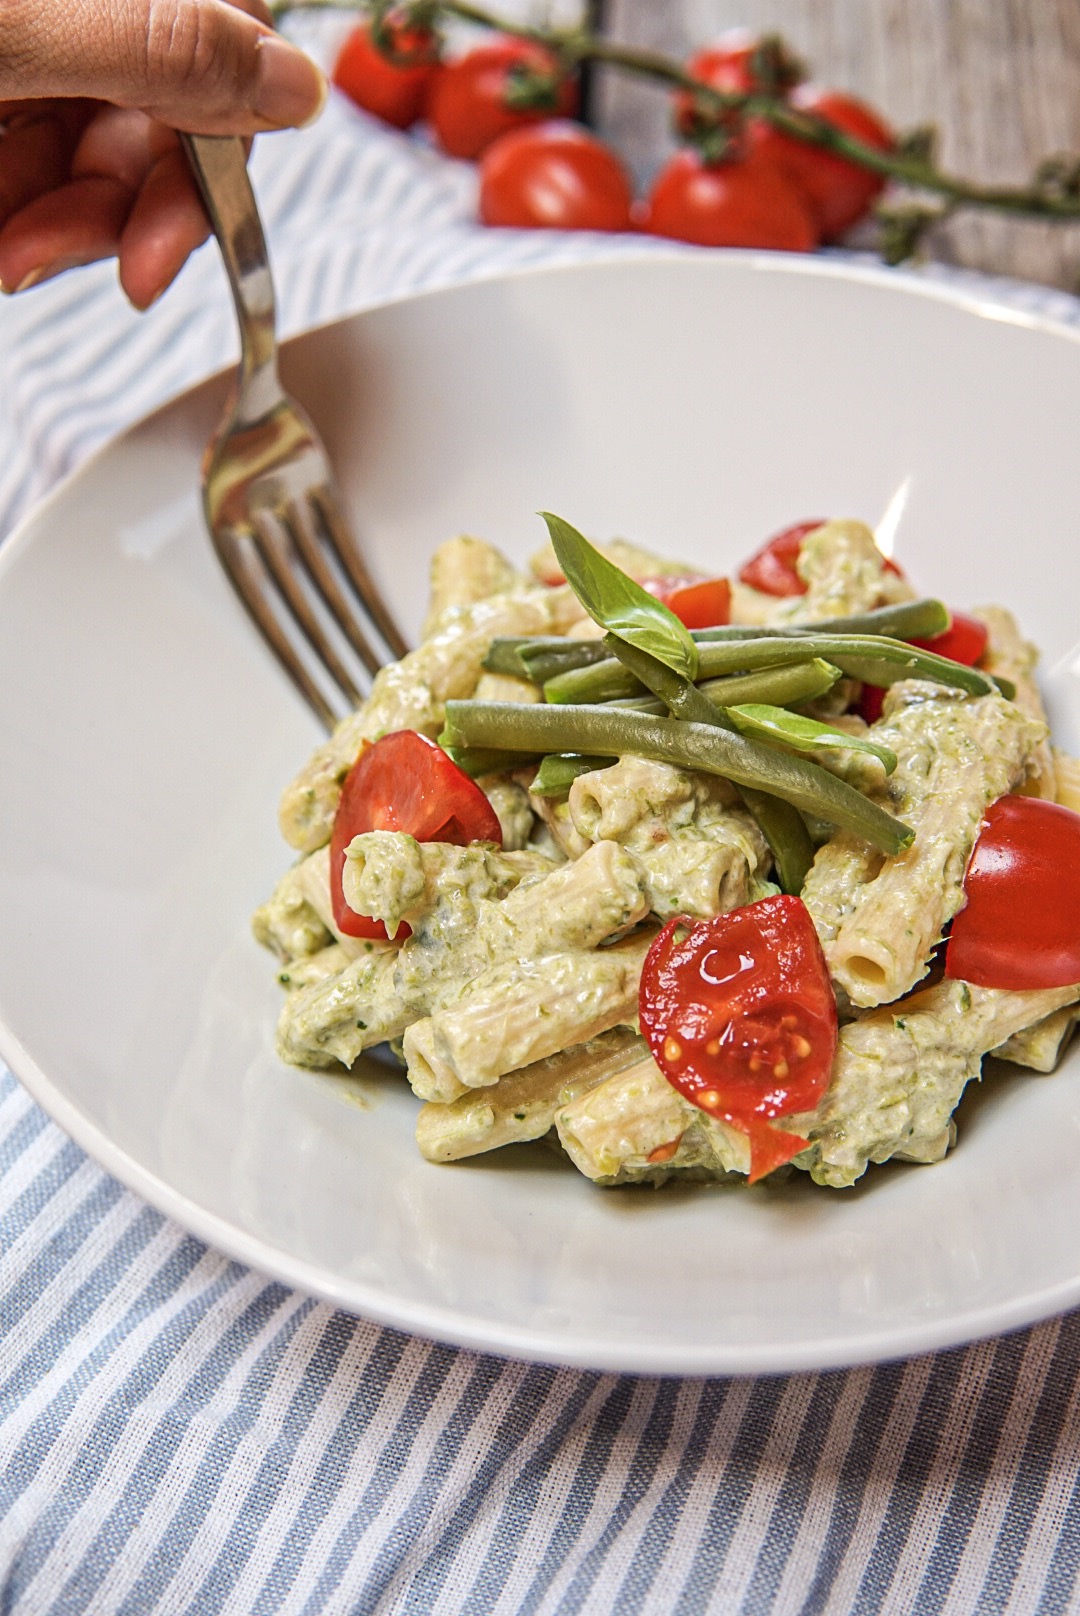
(269, 495)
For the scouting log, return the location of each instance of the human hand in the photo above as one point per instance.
(91, 95)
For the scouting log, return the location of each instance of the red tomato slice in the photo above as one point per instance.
(697, 602)
(404, 782)
(964, 640)
(740, 1017)
(1020, 926)
(772, 568)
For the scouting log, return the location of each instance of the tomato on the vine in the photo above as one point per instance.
(837, 191)
(1020, 925)
(498, 85)
(741, 201)
(394, 91)
(405, 782)
(554, 175)
(739, 62)
(697, 601)
(739, 1015)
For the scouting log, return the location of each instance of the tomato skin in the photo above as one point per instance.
(732, 63)
(772, 568)
(964, 640)
(468, 103)
(405, 782)
(838, 192)
(553, 176)
(738, 202)
(697, 602)
(1020, 926)
(740, 1016)
(394, 93)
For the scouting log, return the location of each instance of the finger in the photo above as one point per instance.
(35, 156)
(202, 65)
(166, 224)
(119, 143)
(77, 224)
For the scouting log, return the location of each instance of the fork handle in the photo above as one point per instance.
(219, 165)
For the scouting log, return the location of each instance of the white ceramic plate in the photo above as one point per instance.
(695, 403)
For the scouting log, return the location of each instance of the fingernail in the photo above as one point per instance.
(43, 272)
(289, 89)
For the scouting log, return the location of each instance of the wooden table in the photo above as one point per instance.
(999, 78)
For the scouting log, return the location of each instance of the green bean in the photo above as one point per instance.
(613, 733)
(540, 657)
(475, 761)
(781, 687)
(873, 659)
(780, 823)
(559, 770)
(768, 723)
(907, 620)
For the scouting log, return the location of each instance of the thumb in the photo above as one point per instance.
(200, 65)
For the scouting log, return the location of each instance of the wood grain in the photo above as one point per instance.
(999, 78)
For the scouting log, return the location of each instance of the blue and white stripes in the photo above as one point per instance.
(178, 1434)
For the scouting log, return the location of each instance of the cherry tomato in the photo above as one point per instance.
(964, 640)
(392, 91)
(837, 191)
(696, 601)
(556, 176)
(740, 1017)
(739, 62)
(1020, 926)
(404, 782)
(737, 202)
(472, 100)
(772, 568)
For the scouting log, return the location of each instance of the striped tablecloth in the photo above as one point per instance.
(178, 1434)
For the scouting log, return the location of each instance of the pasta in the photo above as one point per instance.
(507, 979)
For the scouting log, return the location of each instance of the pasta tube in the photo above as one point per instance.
(1009, 656)
(463, 571)
(520, 1012)
(522, 1104)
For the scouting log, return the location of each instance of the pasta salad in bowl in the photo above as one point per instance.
(696, 877)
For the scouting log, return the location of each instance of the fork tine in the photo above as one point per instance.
(341, 544)
(343, 613)
(235, 559)
(279, 553)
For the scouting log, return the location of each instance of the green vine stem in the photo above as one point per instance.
(1054, 192)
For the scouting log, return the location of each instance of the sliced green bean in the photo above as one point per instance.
(768, 723)
(780, 822)
(785, 686)
(540, 657)
(611, 732)
(559, 770)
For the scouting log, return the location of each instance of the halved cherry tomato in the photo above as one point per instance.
(739, 61)
(772, 568)
(1020, 926)
(555, 176)
(472, 100)
(735, 202)
(403, 781)
(740, 1017)
(696, 601)
(837, 191)
(393, 91)
(964, 641)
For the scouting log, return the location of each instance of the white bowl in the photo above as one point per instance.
(692, 403)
